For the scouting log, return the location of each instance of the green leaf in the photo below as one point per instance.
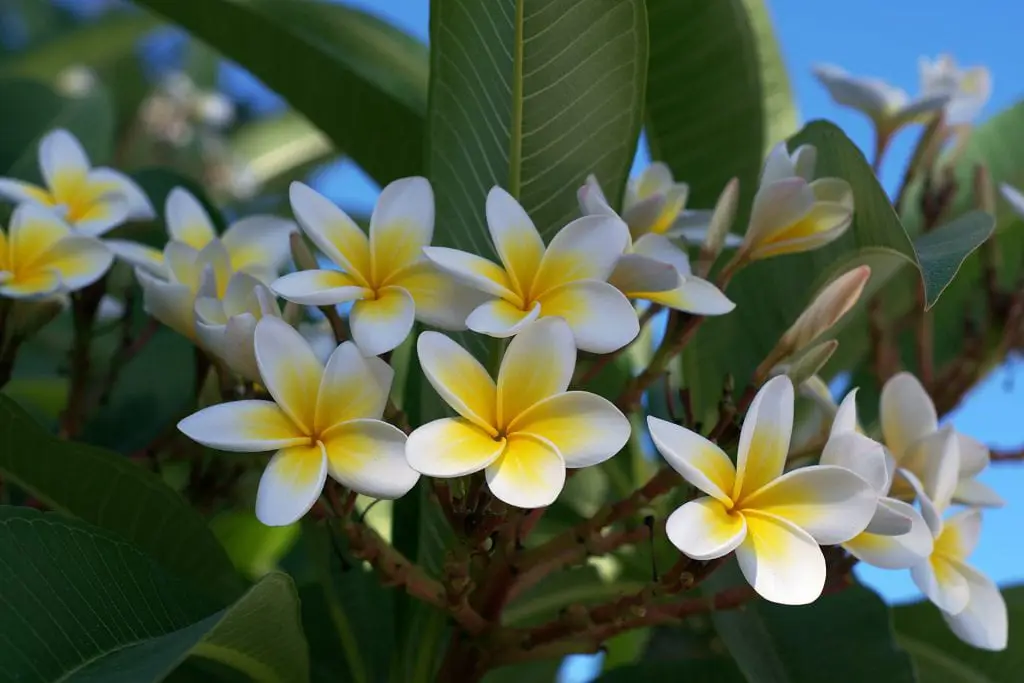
(254, 548)
(31, 110)
(531, 95)
(575, 586)
(941, 657)
(95, 44)
(107, 490)
(718, 670)
(282, 147)
(718, 94)
(358, 79)
(84, 605)
(848, 634)
(942, 251)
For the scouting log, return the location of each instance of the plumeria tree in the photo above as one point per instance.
(530, 406)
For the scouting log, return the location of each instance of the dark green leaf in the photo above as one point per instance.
(941, 657)
(576, 586)
(942, 251)
(543, 671)
(531, 95)
(107, 490)
(718, 94)
(279, 149)
(719, 670)
(358, 79)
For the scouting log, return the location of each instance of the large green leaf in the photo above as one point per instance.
(531, 95)
(941, 657)
(282, 147)
(360, 80)
(718, 94)
(82, 604)
(107, 490)
(31, 110)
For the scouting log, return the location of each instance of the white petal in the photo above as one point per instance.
(291, 484)
(516, 239)
(21, 192)
(983, 623)
(585, 428)
(764, 437)
(350, 390)
(862, 94)
(473, 271)
(974, 455)
(959, 535)
(318, 288)
(636, 274)
(243, 427)
(694, 295)
(845, 420)
(778, 166)
(529, 474)
(907, 413)
(138, 255)
(585, 249)
(892, 520)
(858, 453)
(832, 504)
(601, 318)
(79, 261)
(699, 461)
(976, 493)
(805, 159)
(932, 516)
(232, 342)
(459, 379)
(368, 456)
(170, 303)
(401, 225)
(593, 202)
(704, 530)
(498, 318)
(778, 206)
(139, 206)
(290, 370)
(660, 248)
(61, 153)
(379, 325)
(781, 561)
(259, 242)
(441, 300)
(451, 447)
(935, 459)
(187, 220)
(333, 232)
(894, 552)
(537, 365)
(942, 583)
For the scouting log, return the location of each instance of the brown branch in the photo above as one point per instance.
(84, 305)
(1008, 456)
(673, 344)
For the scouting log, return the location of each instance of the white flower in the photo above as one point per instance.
(568, 279)
(323, 421)
(970, 602)
(790, 214)
(773, 521)
(40, 255)
(225, 327)
(897, 536)
(887, 106)
(523, 431)
(257, 245)
(91, 200)
(968, 90)
(385, 273)
(908, 419)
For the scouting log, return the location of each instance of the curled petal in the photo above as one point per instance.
(171, 303)
(891, 519)
(693, 295)
(319, 288)
(501, 319)
(636, 274)
(858, 454)
(977, 494)
(704, 530)
(368, 456)
(291, 484)
(974, 455)
(894, 552)
(529, 474)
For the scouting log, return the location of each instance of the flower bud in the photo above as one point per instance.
(828, 307)
(718, 228)
(810, 362)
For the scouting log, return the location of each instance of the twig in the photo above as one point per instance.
(1008, 456)
(84, 305)
(669, 349)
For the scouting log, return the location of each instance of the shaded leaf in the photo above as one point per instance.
(942, 251)
(355, 77)
(544, 601)
(531, 95)
(281, 147)
(107, 490)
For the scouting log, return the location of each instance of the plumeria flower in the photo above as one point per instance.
(970, 602)
(523, 431)
(225, 327)
(568, 279)
(654, 204)
(968, 90)
(385, 273)
(324, 420)
(897, 536)
(257, 245)
(90, 200)
(790, 214)
(888, 107)
(41, 255)
(773, 521)
(909, 417)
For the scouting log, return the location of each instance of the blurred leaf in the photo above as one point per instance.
(107, 490)
(696, 670)
(254, 547)
(283, 146)
(941, 657)
(531, 96)
(849, 634)
(31, 110)
(543, 671)
(97, 44)
(942, 251)
(544, 601)
(357, 78)
(718, 94)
